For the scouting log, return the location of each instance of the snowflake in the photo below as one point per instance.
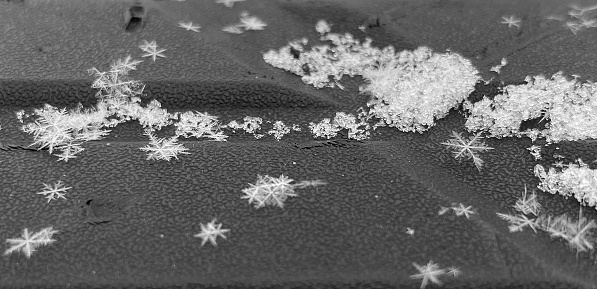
(162, 148)
(27, 243)
(123, 66)
(462, 210)
(462, 148)
(55, 192)
(210, 232)
(269, 191)
(251, 22)
(151, 50)
(228, 3)
(574, 27)
(197, 124)
(511, 21)
(189, 26)
(428, 273)
(310, 183)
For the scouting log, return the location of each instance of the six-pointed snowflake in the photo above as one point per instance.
(123, 66)
(210, 232)
(518, 222)
(429, 272)
(162, 148)
(234, 29)
(54, 192)
(27, 243)
(189, 26)
(462, 210)
(151, 50)
(511, 21)
(251, 22)
(269, 191)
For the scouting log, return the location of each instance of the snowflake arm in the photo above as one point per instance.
(454, 271)
(574, 27)
(234, 29)
(462, 148)
(462, 210)
(162, 148)
(518, 222)
(146, 45)
(528, 205)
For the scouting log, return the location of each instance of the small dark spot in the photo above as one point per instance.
(306, 69)
(48, 48)
(295, 53)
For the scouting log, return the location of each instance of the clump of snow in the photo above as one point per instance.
(411, 89)
(568, 106)
(573, 180)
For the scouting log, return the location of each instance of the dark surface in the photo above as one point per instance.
(129, 222)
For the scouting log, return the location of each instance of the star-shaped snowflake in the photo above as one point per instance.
(27, 243)
(163, 148)
(54, 192)
(462, 210)
(429, 272)
(210, 232)
(189, 26)
(151, 50)
(454, 271)
(511, 21)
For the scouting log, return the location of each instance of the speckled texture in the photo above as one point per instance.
(364, 212)
(349, 233)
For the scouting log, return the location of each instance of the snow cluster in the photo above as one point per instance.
(569, 106)
(409, 89)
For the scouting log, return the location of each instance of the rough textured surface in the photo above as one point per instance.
(128, 222)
